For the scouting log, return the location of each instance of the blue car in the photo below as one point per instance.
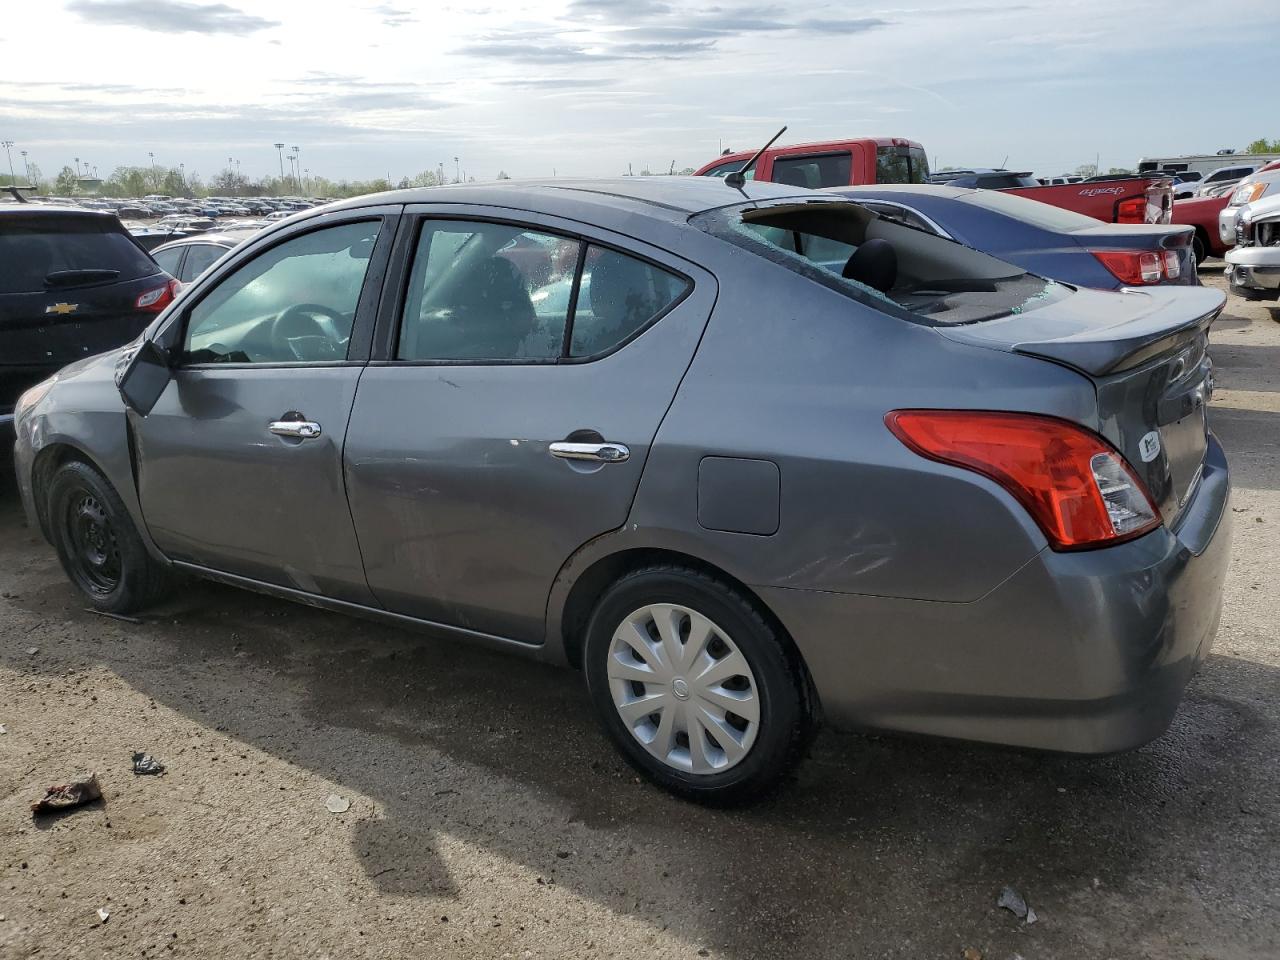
(1040, 238)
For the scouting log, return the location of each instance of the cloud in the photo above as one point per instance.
(170, 16)
(843, 26)
(394, 16)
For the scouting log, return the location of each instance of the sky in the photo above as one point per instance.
(594, 87)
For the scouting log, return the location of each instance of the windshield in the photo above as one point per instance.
(894, 268)
(33, 250)
(1030, 211)
(901, 165)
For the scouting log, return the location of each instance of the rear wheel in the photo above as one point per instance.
(1198, 249)
(97, 543)
(699, 691)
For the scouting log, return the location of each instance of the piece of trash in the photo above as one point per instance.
(145, 764)
(972, 953)
(337, 804)
(103, 915)
(1012, 901)
(1031, 915)
(113, 616)
(32, 651)
(3, 730)
(67, 795)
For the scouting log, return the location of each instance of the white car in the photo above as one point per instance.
(1248, 191)
(279, 215)
(1224, 177)
(1253, 267)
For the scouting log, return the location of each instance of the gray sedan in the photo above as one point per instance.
(747, 459)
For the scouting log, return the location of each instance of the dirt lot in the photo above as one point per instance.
(489, 818)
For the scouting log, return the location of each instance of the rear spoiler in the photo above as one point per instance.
(1122, 347)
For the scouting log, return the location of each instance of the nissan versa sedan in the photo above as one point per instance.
(772, 459)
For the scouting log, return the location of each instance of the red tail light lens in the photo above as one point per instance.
(1075, 485)
(1131, 267)
(153, 301)
(1172, 267)
(1133, 210)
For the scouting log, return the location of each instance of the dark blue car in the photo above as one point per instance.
(1040, 238)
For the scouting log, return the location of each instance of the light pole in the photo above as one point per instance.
(280, 157)
(457, 171)
(297, 156)
(26, 168)
(7, 144)
(293, 169)
(306, 175)
(155, 184)
(77, 160)
(182, 177)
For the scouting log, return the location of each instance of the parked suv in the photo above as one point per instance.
(74, 283)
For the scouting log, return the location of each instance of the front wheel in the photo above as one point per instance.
(97, 543)
(698, 691)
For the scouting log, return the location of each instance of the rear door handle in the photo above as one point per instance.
(595, 452)
(301, 429)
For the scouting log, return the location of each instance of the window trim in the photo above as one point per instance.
(370, 290)
(408, 238)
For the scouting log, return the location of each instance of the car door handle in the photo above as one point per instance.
(596, 452)
(301, 429)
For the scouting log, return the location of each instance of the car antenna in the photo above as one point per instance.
(738, 178)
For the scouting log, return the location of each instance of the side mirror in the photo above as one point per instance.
(144, 377)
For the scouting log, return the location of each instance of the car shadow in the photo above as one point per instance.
(879, 843)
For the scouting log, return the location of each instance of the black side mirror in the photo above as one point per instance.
(144, 377)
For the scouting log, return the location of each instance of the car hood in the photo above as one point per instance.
(1264, 209)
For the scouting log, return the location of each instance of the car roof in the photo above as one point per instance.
(50, 210)
(661, 198)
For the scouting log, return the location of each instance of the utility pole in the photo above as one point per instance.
(154, 181)
(182, 177)
(7, 144)
(280, 157)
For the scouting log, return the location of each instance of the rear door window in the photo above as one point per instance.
(900, 164)
(814, 171)
(620, 296)
(200, 257)
(168, 260)
(47, 253)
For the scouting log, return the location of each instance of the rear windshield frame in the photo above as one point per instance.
(53, 227)
(725, 223)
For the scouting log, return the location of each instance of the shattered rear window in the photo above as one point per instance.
(905, 272)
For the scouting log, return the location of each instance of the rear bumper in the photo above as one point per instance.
(1083, 652)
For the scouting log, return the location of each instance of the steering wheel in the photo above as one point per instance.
(296, 329)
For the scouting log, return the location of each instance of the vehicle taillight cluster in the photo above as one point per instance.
(1076, 486)
(1134, 268)
(155, 300)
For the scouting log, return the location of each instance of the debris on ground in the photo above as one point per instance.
(32, 651)
(1013, 901)
(103, 915)
(67, 795)
(146, 765)
(971, 953)
(3, 731)
(337, 804)
(113, 616)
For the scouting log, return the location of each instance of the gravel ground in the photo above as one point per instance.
(489, 818)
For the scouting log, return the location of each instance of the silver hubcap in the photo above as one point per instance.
(683, 689)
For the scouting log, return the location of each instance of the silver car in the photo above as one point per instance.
(1256, 187)
(1253, 266)
(748, 458)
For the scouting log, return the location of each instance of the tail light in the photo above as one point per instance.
(1172, 266)
(155, 300)
(1133, 268)
(1076, 486)
(1133, 210)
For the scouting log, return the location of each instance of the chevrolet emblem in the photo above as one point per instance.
(62, 309)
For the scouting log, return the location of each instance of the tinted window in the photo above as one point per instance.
(901, 165)
(168, 260)
(200, 256)
(487, 291)
(38, 250)
(827, 170)
(620, 295)
(294, 303)
(899, 215)
(724, 169)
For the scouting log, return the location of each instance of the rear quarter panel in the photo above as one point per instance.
(801, 376)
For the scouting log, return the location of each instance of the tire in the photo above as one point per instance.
(1198, 250)
(741, 756)
(97, 543)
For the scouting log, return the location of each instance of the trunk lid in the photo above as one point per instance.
(1146, 353)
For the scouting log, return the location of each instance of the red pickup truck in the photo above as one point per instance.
(842, 163)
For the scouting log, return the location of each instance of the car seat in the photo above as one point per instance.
(874, 264)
